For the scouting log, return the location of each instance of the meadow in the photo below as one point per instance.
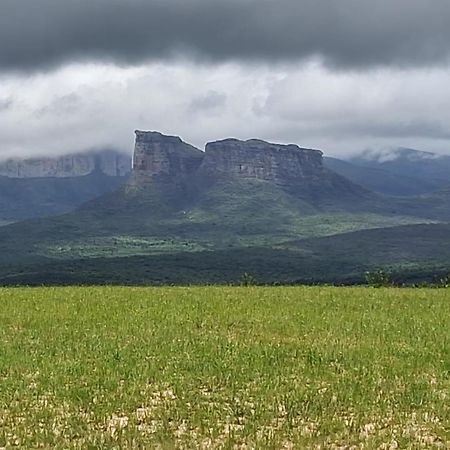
(224, 367)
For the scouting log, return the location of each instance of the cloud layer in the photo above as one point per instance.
(81, 107)
(346, 33)
(340, 75)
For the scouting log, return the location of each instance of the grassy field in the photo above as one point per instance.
(240, 368)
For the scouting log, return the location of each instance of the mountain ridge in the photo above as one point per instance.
(108, 162)
(47, 186)
(250, 197)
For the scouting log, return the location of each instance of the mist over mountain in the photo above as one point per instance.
(425, 166)
(396, 172)
(107, 162)
(47, 186)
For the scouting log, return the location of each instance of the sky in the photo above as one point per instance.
(339, 75)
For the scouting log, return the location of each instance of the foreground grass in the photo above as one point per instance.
(224, 368)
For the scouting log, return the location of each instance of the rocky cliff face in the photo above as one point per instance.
(281, 164)
(107, 162)
(158, 156)
(163, 158)
(176, 173)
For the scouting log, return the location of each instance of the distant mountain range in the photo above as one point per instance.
(48, 186)
(281, 212)
(399, 172)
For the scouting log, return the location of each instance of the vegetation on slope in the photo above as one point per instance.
(110, 235)
(23, 198)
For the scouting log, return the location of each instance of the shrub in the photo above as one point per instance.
(445, 281)
(379, 278)
(247, 280)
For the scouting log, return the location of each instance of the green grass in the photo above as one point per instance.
(224, 368)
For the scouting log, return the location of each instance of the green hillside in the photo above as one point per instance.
(24, 198)
(231, 214)
(379, 179)
(232, 228)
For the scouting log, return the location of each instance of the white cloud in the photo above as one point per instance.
(81, 107)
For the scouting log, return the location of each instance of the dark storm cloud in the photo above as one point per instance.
(346, 33)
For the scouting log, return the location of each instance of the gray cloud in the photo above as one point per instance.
(345, 33)
(65, 105)
(210, 102)
(83, 107)
(6, 104)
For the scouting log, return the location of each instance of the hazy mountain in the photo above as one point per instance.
(427, 168)
(400, 172)
(377, 179)
(47, 186)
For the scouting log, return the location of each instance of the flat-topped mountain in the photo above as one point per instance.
(167, 157)
(46, 186)
(109, 163)
(261, 160)
(167, 160)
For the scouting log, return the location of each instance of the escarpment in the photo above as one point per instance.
(170, 165)
(163, 158)
(167, 158)
(109, 163)
(280, 164)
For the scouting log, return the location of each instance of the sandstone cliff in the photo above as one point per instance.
(178, 174)
(107, 162)
(281, 164)
(163, 158)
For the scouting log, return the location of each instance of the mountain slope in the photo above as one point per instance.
(425, 167)
(50, 186)
(233, 190)
(248, 198)
(378, 179)
(23, 198)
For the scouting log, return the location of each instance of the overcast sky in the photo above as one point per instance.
(340, 75)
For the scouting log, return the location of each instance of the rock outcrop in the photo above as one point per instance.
(179, 174)
(68, 166)
(281, 164)
(163, 158)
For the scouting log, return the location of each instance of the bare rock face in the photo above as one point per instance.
(107, 162)
(168, 158)
(281, 164)
(163, 158)
(178, 173)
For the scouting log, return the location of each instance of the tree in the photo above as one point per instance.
(247, 280)
(378, 278)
